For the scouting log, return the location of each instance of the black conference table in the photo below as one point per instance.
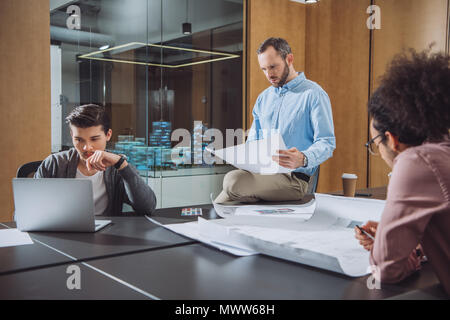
(136, 259)
(125, 235)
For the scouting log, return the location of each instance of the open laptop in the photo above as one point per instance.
(55, 204)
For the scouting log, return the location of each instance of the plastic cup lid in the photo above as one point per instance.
(349, 176)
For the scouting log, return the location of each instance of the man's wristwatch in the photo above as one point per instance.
(305, 161)
(119, 163)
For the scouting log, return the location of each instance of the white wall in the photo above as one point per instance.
(185, 191)
(56, 90)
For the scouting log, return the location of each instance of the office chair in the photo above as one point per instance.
(27, 170)
(313, 182)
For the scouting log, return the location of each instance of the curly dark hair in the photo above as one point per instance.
(89, 115)
(413, 100)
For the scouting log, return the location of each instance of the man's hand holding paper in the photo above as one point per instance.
(291, 159)
(259, 156)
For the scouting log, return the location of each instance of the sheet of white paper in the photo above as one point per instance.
(192, 230)
(255, 156)
(354, 209)
(14, 237)
(325, 240)
(328, 246)
(278, 211)
(244, 214)
(322, 239)
(332, 248)
(222, 235)
(224, 211)
(287, 211)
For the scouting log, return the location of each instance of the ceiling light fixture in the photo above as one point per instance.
(187, 27)
(215, 55)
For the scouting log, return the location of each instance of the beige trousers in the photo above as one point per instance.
(244, 186)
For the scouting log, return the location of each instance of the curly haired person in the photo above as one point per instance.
(410, 120)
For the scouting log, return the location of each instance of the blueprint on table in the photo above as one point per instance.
(319, 233)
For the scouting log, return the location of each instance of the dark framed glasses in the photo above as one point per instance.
(372, 146)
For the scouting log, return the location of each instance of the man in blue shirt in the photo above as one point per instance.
(300, 111)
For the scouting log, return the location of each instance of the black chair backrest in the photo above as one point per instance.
(313, 182)
(27, 170)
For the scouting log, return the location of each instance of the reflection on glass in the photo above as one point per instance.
(150, 55)
(132, 57)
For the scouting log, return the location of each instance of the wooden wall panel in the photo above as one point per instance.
(404, 24)
(447, 46)
(271, 18)
(24, 90)
(337, 58)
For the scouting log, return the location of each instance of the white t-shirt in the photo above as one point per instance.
(99, 188)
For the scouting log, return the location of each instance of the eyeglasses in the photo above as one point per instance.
(372, 146)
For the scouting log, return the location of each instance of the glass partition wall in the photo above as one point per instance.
(166, 71)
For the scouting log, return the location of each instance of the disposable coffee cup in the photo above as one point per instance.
(349, 184)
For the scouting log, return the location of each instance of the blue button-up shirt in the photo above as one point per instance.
(301, 112)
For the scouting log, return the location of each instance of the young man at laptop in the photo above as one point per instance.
(114, 181)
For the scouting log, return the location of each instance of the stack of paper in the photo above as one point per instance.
(319, 233)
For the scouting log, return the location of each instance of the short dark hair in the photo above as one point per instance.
(279, 44)
(89, 115)
(413, 100)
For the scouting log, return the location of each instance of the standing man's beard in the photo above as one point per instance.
(284, 76)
